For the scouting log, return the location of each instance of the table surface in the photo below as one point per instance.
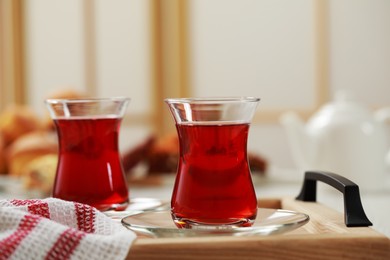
(278, 183)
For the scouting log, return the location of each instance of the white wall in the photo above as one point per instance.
(360, 49)
(123, 57)
(261, 48)
(56, 58)
(256, 48)
(54, 48)
(267, 49)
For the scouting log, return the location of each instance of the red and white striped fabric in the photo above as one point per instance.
(56, 229)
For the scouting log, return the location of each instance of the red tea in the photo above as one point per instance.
(89, 168)
(213, 184)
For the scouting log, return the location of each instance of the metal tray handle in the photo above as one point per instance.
(354, 215)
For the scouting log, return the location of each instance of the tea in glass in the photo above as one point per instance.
(213, 186)
(89, 167)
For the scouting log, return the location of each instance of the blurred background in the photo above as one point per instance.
(294, 55)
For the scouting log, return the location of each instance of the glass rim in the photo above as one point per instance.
(212, 100)
(84, 100)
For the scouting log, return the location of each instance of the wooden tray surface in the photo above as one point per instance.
(324, 237)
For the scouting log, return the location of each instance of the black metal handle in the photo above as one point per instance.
(354, 215)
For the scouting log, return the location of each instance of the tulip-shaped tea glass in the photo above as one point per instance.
(213, 186)
(89, 168)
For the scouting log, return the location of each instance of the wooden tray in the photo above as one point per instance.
(325, 236)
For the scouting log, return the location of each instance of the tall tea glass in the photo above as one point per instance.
(89, 167)
(213, 186)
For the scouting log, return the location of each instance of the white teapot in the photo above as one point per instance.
(343, 137)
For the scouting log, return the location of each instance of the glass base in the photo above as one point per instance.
(212, 224)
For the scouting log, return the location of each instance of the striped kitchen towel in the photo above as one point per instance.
(57, 229)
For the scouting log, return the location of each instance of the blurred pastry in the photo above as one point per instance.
(159, 155)
(40, 173)
(164, 155)
(132, 157)
(28, 147)
(258, 164)
(66, 93)
(17, 120)
(3, 164)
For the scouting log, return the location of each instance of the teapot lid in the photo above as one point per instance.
(343, 107)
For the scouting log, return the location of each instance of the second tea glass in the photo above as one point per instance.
(213, 186)
(89, 167)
